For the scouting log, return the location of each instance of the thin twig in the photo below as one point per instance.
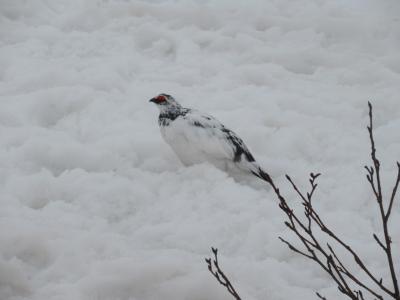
(333, 265)
(379, 199)
(389, 210)
(313, 215)
(325, 255)
(214, 268)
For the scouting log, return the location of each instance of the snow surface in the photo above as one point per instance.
(94, 205)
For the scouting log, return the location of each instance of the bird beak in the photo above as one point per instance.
(153, 100)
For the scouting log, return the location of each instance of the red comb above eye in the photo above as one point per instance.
(160, 98)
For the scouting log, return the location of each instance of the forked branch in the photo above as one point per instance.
(215, 269)
(357, 281)
(349, 283)
(384, 214)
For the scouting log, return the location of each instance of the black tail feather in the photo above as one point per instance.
(263, 175)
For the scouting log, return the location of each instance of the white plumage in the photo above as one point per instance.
(196, 137)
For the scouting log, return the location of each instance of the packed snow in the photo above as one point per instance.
(95, 205)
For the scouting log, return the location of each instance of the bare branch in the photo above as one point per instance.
(333, 265)
(393, 193)
(214, 269)
(314, 217)
(294, 249)
(348, 282)
(295, 188)
(379, 242)
(384, 217)
(320, 297)
(357, 281)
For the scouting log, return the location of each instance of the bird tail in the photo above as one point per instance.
(260, 173)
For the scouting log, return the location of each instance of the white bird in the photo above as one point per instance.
(197, 138)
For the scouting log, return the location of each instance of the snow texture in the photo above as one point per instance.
(95, 205)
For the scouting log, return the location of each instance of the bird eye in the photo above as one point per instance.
(161, 98)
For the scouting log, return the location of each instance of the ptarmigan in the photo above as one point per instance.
(196, 137)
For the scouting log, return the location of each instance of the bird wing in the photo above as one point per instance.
(208, 135)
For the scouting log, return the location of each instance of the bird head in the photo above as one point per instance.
(165, 102)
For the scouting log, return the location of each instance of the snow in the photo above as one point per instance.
(94, 205)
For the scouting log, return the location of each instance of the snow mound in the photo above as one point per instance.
(94, 205)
